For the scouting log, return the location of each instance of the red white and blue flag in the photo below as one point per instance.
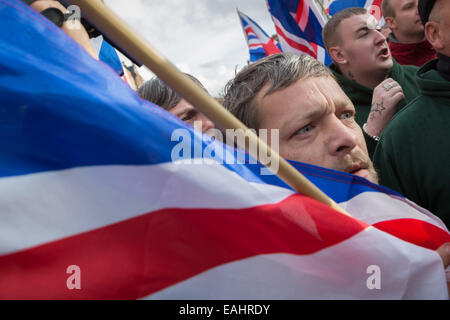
(260, 45)
(299, 25)
(374, 6)
(87, 183)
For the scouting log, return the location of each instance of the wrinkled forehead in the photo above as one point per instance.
(302, 97)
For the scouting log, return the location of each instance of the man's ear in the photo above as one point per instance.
(337, 55)
(391, 23)
(433, 35)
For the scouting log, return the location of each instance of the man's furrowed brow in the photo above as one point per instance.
(305, 117)
(362, 28)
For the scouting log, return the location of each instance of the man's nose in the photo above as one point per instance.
(206, 123)
(379, 38)
(342, 139)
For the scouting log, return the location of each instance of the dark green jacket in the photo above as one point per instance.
(361, 96)
(413, 155)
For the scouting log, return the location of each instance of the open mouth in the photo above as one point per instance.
(384, 53)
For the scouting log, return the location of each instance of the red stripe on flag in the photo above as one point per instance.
(418, 232)
(270, 48)
(294, 44)
(140, 256)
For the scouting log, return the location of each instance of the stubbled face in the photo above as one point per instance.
(317, 126)
(186, 112)
(407, 19)
(364, 46)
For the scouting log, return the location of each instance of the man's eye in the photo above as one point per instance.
(346, 115)
(305, 130)
(188, 116)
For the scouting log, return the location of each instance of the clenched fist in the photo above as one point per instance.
(385, 98)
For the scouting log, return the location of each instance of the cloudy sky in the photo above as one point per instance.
(201, 37)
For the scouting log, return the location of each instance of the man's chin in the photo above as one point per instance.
(368, 174)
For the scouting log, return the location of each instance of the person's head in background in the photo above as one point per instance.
(358, 49)
(157, 91)
(403, 19)
(435, 15)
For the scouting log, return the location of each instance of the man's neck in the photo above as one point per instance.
(410, 38)
(443, 65)
(370, 81)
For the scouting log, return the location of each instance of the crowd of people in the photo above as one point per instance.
(379, 111)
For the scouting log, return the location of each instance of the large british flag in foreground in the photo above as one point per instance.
(259, 43)
(299, 26)
(86, 180)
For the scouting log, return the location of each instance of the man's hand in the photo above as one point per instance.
(73, 28)
(385, 98)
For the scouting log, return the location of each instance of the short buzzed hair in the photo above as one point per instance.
(387, 9)
(330, 34)
(279, 71)
(157, 91)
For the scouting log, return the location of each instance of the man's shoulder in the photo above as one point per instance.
(402, 70)
(413, 112)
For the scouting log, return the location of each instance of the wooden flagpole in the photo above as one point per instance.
(123, 35)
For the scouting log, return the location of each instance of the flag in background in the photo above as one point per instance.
(86, 179)
(374, 6)
(107, 53)
(299, 26)
(260, 45)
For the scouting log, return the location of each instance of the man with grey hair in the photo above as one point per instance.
(299, 96)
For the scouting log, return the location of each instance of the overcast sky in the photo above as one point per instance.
(201, 37)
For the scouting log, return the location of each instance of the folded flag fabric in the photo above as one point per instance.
(93, 205)
(108, 54)
(299, 26)
(259, 43)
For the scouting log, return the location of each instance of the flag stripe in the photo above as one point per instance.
(332, 273)
(301, 47)
(109, 194)
(80, 199)
(415, 231)
(131, 259)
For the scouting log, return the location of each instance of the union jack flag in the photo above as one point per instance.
(299, 26)
(374, 6)
(93, 205)
(259, 43)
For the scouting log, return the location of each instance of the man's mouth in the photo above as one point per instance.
(356, 168)
(384, 53)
